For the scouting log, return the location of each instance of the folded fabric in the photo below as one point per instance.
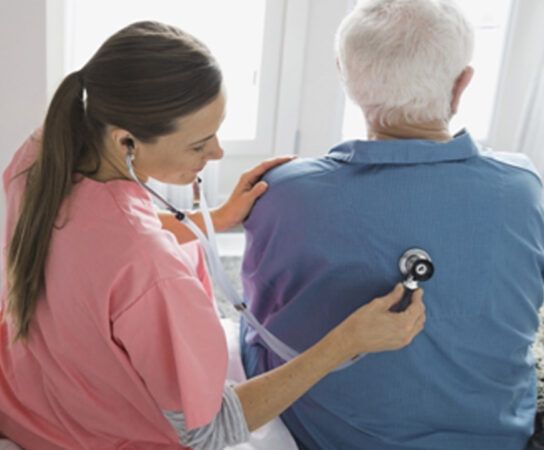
(274, 434)
(6, 444)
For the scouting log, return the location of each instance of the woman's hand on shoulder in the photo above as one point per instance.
(248, 189)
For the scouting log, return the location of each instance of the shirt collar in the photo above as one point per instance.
(405, 151)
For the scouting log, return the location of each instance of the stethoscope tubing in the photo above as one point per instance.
(215, 266)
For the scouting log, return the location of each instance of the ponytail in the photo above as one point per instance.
(142, 79)
(49, 181)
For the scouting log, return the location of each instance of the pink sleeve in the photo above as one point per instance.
(176, 344)
(195, 251)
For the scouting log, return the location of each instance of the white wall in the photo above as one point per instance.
(22, 75)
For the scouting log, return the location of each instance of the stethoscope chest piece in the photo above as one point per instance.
(415, 265)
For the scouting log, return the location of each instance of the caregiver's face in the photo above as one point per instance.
(178, 157)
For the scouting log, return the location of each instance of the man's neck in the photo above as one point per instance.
(432, 131)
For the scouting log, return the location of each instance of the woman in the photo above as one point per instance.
(110, 338)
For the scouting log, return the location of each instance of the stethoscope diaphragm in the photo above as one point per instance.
(416, 266)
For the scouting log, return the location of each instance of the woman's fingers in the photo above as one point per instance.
(414, 316)
(416, 307)
(420, 323)
(415, 329)
(258, 190)
(374, 328)
(253, 175)
(411, 321)
(392, 298)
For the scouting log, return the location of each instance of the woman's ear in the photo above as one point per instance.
(122, 140)
(459, 87)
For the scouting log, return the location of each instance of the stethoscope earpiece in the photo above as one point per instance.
(129, 144)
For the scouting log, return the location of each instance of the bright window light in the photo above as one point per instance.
(490, 18)
(222, 25)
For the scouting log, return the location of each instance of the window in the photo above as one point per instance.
(283, 89)
(248, 52)
(490, 18)
(243, 47)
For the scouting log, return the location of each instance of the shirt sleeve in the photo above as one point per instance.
(229, 426)
(175, 343)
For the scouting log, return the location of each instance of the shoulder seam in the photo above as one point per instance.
(146, 291)
(529, 170)
(314, 175)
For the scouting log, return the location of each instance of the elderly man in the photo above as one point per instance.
(328, 235)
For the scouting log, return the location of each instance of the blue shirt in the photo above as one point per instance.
(326, 238)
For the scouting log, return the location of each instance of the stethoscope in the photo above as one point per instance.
(415, 264)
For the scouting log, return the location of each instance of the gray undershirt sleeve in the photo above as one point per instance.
(229, 426)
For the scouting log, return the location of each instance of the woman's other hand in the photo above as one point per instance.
(373, 328)
(248, 189)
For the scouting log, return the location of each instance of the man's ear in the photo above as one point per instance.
(339, 69)
(459, 87)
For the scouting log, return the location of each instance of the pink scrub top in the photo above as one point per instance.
(125, 330)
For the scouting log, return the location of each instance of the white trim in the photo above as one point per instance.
(289, 90)
(291, 77)
(269, 85)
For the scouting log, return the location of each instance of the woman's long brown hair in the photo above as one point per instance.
(142, 79)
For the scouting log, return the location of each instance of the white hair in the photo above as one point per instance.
(399, 59)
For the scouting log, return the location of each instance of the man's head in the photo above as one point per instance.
(405, 61)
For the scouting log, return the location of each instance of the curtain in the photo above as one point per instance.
(531, 135)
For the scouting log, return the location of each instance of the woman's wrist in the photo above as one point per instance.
(269, 394)
(337, 347)
(220, 219)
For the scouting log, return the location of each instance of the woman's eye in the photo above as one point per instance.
(198, 149)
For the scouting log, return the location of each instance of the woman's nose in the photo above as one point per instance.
(216, 152)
